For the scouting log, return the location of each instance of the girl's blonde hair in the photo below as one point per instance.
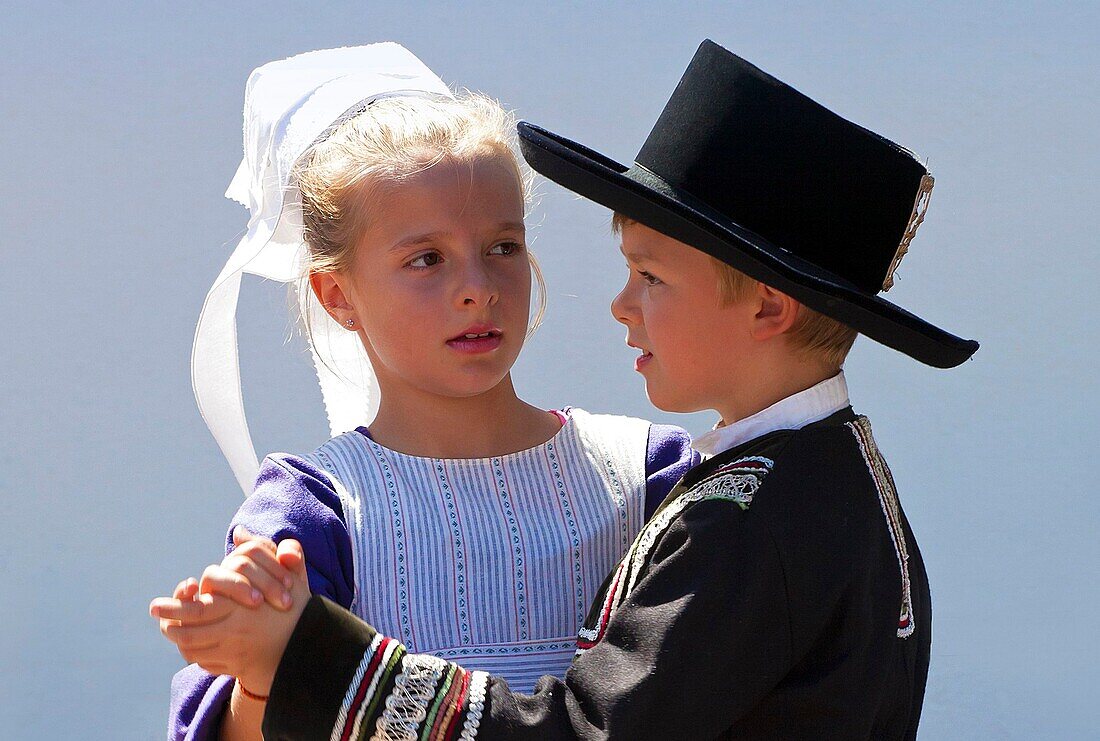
(392, 139)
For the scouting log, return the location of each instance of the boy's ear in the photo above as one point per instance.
(776, 312)
(328, 289)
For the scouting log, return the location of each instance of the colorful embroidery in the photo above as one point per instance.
(735, 482)
(479, 683)
(413, 690)
(361, 697)
(354, 687)
(446, 692)
(741, 477)
(429, 699)
(888, 500)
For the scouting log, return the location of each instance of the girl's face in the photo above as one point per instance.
(440, 285)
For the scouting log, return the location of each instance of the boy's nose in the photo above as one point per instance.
(622, 307)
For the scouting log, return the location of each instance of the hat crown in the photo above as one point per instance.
(786, 168)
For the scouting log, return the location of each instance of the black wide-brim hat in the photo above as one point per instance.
(745, 168)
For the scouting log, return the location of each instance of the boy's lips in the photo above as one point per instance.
(641, 360)
(478, 338)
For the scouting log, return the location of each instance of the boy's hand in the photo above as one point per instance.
(250, 574)
(223, 637)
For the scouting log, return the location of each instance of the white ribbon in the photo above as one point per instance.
(288, 105)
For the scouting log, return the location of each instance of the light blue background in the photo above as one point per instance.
(121, 129)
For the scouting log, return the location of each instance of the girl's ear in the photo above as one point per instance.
(329, 290)
(776, 312)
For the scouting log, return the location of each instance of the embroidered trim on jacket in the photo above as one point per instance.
(479, 683)
(888, 500)
(430, 699)
(734, 482)
(376, 665)
(407, 706)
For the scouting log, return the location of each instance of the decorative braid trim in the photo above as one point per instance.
(353, 688)
(734, 482)
(916, 218)
(373, 668)
(479, 684)
(888, 500)
(443, 727)
(407, 706)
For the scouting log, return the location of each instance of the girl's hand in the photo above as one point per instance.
(224, 637)
(251, 574)
(184, 592)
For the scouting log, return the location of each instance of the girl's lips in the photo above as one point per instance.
(474, 345)
(641, 360)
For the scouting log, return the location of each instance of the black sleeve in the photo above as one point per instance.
(703, 635)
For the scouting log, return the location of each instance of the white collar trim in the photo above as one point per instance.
(792, 413)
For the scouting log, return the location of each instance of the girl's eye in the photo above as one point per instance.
(649, 278)
(505, 248)
(427, 260)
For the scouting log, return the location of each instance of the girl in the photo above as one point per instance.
(461, 519)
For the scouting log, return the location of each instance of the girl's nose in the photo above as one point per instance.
(478, 286)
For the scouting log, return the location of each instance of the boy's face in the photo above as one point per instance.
(692, 346)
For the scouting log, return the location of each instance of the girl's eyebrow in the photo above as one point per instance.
(429, 237)
(426, 238)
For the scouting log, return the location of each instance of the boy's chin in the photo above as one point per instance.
(667, 400)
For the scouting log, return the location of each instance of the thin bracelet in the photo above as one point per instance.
(250, 695)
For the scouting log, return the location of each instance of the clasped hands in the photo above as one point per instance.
(237, 619)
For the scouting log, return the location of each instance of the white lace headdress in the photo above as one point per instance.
(289, 105)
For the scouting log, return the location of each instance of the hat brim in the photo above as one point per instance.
(646, 198)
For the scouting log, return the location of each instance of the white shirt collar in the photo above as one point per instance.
(792, 413)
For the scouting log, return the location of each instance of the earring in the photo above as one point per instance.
(349, 323)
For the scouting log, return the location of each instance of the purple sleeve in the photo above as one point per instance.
(668, 457)
(292, 499)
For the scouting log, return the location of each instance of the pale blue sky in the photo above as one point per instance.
(121, 129)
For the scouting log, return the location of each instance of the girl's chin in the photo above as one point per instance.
(473, 385)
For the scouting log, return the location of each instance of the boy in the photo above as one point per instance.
(778, 591)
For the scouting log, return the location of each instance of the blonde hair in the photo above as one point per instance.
(391, 140)
(813, 333)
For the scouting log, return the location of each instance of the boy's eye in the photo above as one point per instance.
(505, 248)
(649, 278)
(427, 260)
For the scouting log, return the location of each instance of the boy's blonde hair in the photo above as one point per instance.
(393, 139)
(813, 333)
